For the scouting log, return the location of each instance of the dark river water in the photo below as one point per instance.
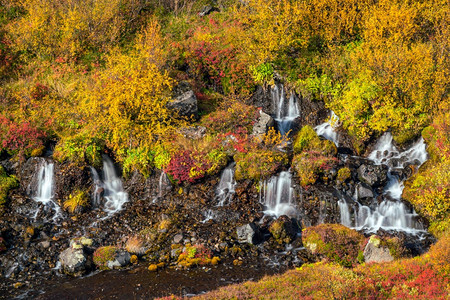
(139, 283)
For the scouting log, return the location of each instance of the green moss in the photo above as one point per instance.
(343, 174)
(6, 183)
(104, 254)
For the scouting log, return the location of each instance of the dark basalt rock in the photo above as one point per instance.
(373, 175)
(184, 101)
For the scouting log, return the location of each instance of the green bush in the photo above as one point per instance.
(307, 139)
(335, 242)
(311, 165)
(258, 164)
(343, 174)
(80, 149)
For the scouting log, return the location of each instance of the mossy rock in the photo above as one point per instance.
(284, 230)
(334, 242)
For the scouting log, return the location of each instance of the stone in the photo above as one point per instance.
(123, 258)
(44, 244)
(375, 252)
(263, 123)
(207, 9)
(249, 233)
(73, 262)
(373, 175)
(178, 238)
(364, 191)
(184, 101)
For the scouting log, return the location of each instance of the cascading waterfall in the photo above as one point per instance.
(225, 189)
(286, 111)
(278, 195)
(327, 129)
(391, 213)
(115, 196)
(44, 191)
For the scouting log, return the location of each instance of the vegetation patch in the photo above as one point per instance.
(335, 242)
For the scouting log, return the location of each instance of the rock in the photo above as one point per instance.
(178, 238)
(373, 175)
(263, 123)
(249, 233)
(123, 258)
(73, 261)
(193, 132)
(44, 244)
(364, 191)
(207, 9)
(284, 229)
(184, 101)
(375, 252)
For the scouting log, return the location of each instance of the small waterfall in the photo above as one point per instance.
(345, 213)
(286, 111)
(327, 129)
(225, 189)
(115, 196)
(279, 195)
(98, 188)
(391, 213)
(44, 190)
(164, 182)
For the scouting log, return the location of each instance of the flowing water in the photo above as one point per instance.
(277, 195)
(391, 213)
(44, 190)
(113, 192)
(225, 189)
(328, 129)
(286, 111)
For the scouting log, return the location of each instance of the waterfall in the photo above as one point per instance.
(98, 188)
(286, 111)
(225, 189)
(164, 182)
(279, 195)
(345, 213)
(327, 129)
(391, 213)
(115, 196)
(44, 190)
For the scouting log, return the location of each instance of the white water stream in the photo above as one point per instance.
(328, 129)
(44, 190)
(286, 111)
(277, 195)
(114, 194)
(225, 189)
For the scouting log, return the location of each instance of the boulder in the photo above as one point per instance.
(184, 101)
(249, 233)
(73, 261)
(284, 229)
(263, 123)
(375, 252)
(364, 191)
(373, 175)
